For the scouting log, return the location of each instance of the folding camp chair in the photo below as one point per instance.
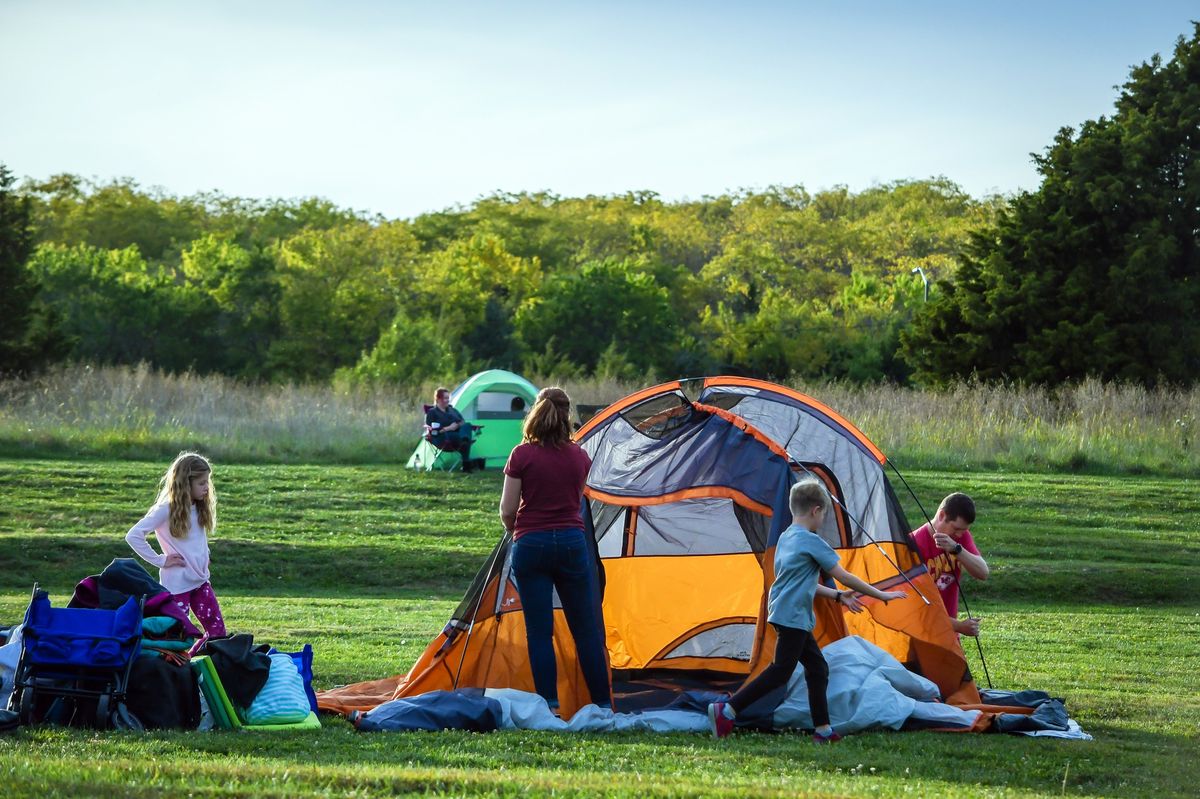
(224, 714)
(433, 452)
(78, 658)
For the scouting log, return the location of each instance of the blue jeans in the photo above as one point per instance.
(545, 560)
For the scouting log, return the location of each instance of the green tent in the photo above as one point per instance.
(496, 400)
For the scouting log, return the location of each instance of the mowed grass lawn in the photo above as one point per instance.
(1092, 598)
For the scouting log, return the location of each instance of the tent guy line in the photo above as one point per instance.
(961, 594)
(870, 538)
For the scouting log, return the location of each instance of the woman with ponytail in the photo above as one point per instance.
(541, 507)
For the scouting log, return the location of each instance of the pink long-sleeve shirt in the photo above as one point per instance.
(193, 548)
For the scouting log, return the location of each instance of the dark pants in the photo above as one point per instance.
(454, 441)
(546, 560)
(792, 646)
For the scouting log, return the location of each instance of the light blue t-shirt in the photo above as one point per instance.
(800, 556)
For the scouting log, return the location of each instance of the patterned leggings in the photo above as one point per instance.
(203, 604)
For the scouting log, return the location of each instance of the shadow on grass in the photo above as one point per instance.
(1119, 763)
(311, 568)
(58, 563)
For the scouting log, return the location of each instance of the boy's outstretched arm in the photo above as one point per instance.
(845, 598)
(844, 577)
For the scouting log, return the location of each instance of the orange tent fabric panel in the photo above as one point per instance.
(650, 602)
(359, 696)
(675, 496)
(496, 656)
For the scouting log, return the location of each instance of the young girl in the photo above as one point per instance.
(181, 518)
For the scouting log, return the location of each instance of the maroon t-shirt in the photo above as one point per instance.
(552, 483)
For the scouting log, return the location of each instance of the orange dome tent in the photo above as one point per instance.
(685, 501)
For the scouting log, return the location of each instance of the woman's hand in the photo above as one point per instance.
(175, 559)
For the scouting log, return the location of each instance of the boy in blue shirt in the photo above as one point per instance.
(800, 556)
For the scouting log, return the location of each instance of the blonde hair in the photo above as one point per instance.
(549, 423)
(175, 489)
(807, 494)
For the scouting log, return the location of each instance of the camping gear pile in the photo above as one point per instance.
(684, 503)
(104, 661)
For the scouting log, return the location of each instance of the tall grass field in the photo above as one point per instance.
(1092, 598)
(123, 412)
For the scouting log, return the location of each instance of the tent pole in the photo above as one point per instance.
(957, 582)
(475, 611)
(870, 537)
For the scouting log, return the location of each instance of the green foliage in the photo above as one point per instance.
(1097, 273)
(242, 286)
(114, 216)
(70, 210)
(606, 305)
(473, 289)
(410, 350)
(17, 289)
(820, 285)
(622, 286)
(873, 313)
(116, 308)
(338, 288)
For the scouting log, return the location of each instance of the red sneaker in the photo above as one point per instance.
(717, 722)
(821, 738)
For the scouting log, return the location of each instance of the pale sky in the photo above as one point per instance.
(399, 108)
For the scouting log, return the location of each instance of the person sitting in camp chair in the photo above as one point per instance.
(447, 430)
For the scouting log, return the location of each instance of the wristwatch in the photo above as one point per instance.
(957, 549)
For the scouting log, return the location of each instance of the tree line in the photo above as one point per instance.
(1094, 274)
(775, 282)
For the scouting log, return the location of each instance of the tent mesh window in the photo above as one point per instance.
(699, 526)
(658, 417)
(723, 400)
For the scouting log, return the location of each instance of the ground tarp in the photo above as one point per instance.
(868, 689)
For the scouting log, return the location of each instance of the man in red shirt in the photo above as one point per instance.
(947, 547)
